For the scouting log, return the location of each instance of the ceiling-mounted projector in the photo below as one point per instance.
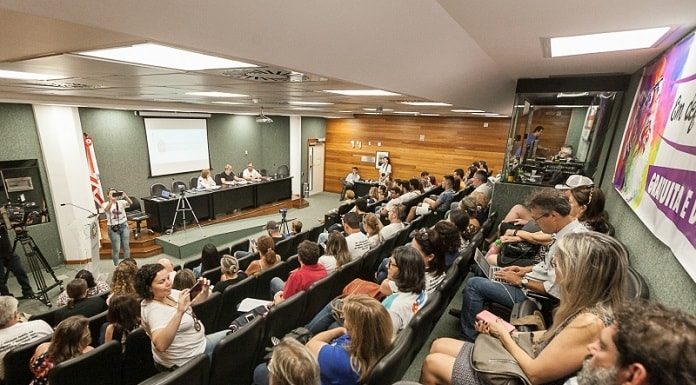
(263, 118)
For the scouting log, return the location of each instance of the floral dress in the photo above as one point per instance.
(40, 368)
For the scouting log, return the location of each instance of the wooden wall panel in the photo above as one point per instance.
(448, 143)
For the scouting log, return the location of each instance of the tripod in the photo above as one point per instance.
(182, 206)
(284, 229)
(37, 261)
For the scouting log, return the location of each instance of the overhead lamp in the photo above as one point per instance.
(468, 111)
(367, 92)
(263, 118)
(428, 104)
(21, 75)
(216, 94)
(151, 54)
(606, 42)
(307, 103)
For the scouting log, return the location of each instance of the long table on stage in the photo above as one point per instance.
(207, 204)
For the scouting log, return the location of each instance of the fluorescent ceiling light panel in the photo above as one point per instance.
(216, 94)
(375, 110)
(363, 92)
(346, 112)
(606, 42)
(406, 112)
(19, 75)
(428, 104)
(231, 103)
(151, 54)
(429, 114)
(301, 103)
(572, 94)
(468, 111)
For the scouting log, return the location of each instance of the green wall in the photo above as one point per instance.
(21, 141)
(668, 281)
(577, 122)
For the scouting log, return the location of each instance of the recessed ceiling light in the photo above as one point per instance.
(28, 75)
(152, 54)
(406, 112)
(606, 42)
(301, 103)
(428, 104)
(363, 92)
(429, 114)
(230, 103)
(380, 110)
(216, 94)
(468, 111)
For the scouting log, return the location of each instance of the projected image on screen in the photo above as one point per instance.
(176, 145)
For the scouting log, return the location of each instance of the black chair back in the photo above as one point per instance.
(314, 233)
(138, 363)
(156, 189)
(291, 264)
(319, 294)
(284, 248)
(193, 182)
(263, 285)
(282, 318)
(488, 224)
(134, 206)
(213, 275)
(637, 287)
(402, 236)
(394, 364)
(349, 272)
(101, 365)
(242, 245)
(344, 208)
(246, 261)
(283, 171)
(193, 263)
(178, 186)
(231, 297)
(448, 286)
(298, 238)
(218, 179)
(369, 261)
(49, 316)
(386, 250)
(193, 372)
(207, 312)
(95, 327)
(16, 362)
(236, 355)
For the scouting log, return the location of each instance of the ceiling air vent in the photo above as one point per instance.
(271, 75)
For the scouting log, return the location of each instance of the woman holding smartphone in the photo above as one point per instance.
(176, 333)
(117, 223)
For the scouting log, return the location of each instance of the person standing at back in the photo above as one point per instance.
(117, 223)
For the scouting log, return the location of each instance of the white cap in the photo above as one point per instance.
(574, 181)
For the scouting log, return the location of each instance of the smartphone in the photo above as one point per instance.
(490, 318)
(195, 290)
(117, 194)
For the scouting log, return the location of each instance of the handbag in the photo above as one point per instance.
(246, 318)
(494, 365)
(518, 254)
(361, 286)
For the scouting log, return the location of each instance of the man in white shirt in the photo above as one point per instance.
(14, 333)
(356, 240)
(395, 224)
(251, 174)
(480, 182)
(349, 181)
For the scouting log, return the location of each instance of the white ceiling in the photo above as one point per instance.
(467, 53)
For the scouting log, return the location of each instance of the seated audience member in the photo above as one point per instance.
(267, 256)
(647, 344)
(395, 224)
(183, 279)
(337, 253)
(373, 195)
(394, 195)
(228, 176)
(205, 181)
(301, 279)
(71, 339)
(591, 270)
(209, 258)
(587, 205)
(349, 197)
(176, 334)
(230, 274)
(14, 333)
(411, 191)
(130, 260)
(425, 180)
(458, 183)
(481, 184)
(433, 182)
(416, 187)
(123, 281)
(291, 364)
(79, 303)
(296, 227)
(273, 229)
(440, 205)
(94, 288)
(552, 213)
(372, 226)
(357, 240)
(405, 296)
(472, 205)
(169, 267)
(123, 318)
(460, 219)
(251, 174)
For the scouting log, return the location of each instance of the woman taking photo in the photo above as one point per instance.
(71, 338)
(117, 223)
(176, 333)
(591, 271)
(385, 170)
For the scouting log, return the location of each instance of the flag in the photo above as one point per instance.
(94, 181)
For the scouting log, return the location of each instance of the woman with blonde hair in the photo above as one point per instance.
(267, 256)
(292, 364)
(591, 270)
(372, 226)
(337, 253)
(70, 339)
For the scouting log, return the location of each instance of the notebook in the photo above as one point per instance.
(165, 194)
(487, 269)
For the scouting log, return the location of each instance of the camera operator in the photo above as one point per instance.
(11, 261)
(117, 223)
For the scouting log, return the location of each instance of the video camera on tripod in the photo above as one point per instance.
(22, 214)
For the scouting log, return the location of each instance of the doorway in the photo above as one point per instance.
(315, 159)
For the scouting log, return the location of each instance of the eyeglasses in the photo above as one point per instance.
(540, 216)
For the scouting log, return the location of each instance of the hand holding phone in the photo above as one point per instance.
(491, 318)
(196, 289)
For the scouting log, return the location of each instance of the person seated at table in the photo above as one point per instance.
(79, 303)
(565, 154)
(440, 205)
(228, 176)
(71, 339)
(205, 181)
(349, 180)
(251, 174)
(93, 287)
